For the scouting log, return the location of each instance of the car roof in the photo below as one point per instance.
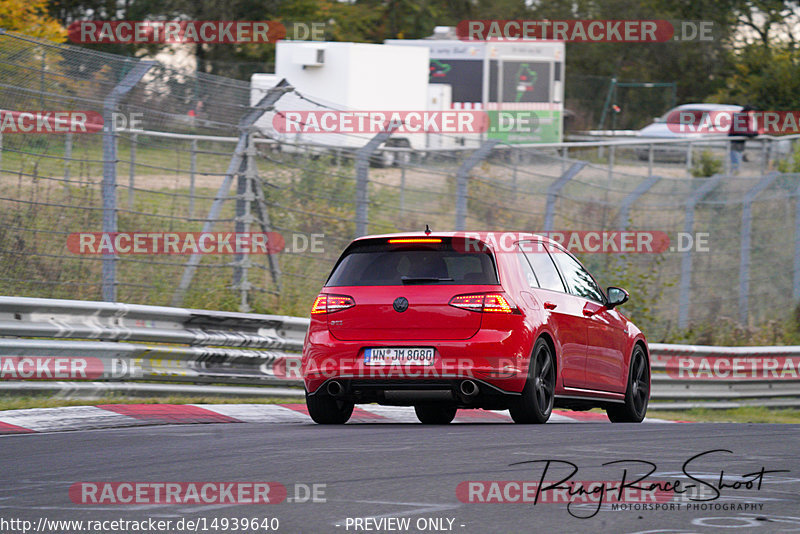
(709, 107)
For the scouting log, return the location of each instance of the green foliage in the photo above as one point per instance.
(766, 78)
(726, 331)
(644, 282)
(706, 165)
(31, 18)
(792, 163)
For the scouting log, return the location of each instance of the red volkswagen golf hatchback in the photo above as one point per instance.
(442, 321)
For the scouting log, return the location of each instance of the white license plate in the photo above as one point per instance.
(399, 356)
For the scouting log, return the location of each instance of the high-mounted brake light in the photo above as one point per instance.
(483, 302)
(325, 303)
(406, 240)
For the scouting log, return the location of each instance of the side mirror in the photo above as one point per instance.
(616, 296)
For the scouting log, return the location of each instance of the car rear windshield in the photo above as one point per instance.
(384, 264)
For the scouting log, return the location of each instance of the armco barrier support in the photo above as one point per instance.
(126, 345)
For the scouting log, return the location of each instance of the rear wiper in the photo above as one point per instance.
(423, 279)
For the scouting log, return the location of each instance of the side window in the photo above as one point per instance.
(579, 280)
(530, 278)
(542, 265)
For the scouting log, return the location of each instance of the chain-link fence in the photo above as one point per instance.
(200, 159)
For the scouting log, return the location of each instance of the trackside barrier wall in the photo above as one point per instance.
(121, 344)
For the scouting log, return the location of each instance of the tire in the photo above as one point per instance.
(327, 410)
(536, 402)
(434, 414)
(637, 394)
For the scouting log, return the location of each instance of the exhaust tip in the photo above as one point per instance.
(468, 388)
(335, 388)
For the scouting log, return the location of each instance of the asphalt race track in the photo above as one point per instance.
(397, 471)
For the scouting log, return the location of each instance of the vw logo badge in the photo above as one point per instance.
(400, 304)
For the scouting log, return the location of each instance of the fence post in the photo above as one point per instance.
(611, 153)
(728, 157)
(744, 253)
(515, 163)
(362, 178)
(627, 202)
(109, 185)
(402, 188)
(797, 242)
(244, 200)
(462, 174)
(234, 166)
(67, 158)
(192, 171)
(554, 189)
(686, 261)
(132, 170)
(689, 156)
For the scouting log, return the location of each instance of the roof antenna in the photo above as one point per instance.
(427, 230)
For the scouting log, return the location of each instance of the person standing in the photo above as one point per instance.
(741, 126)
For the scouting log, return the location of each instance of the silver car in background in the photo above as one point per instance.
(668, 127)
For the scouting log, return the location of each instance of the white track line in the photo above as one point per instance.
(67, 418)
(257, 413)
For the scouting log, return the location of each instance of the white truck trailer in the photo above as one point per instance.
(346, 77)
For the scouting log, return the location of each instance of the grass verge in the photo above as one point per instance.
(33, 401)
(734, 415)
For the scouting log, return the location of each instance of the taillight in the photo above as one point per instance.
(325, 303)
(497, 303)
(468, 302)
(485, 302)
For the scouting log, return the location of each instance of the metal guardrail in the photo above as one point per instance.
(697, 376)
(127, 347)
(161, 343)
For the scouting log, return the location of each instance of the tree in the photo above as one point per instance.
(763, 64)
(766, 78)
(31, 18)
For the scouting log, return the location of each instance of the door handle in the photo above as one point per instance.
(588, 313)
(550, 306)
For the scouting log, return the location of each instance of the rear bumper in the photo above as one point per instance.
(398, 392)
(494, 358)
